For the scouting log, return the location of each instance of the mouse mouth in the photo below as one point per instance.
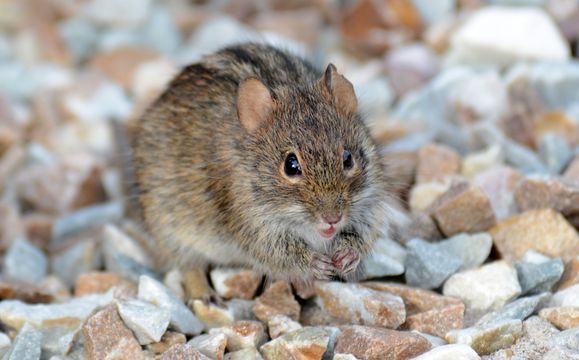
(328, 233)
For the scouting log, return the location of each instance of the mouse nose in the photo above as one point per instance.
(332, 218)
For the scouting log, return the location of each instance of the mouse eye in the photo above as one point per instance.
(348, 162)
(292, 165)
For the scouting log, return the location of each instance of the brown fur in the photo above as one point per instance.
(214, 192)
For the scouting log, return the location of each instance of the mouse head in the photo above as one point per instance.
(314, 168)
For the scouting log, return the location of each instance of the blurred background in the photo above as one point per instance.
(496, 77)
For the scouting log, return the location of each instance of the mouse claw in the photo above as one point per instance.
(322, 267)
(346, 260)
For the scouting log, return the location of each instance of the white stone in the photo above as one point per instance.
(5, 343)
(115, 240)
(279, 325)
(386, 259)
(149, 322)
(447, 352)
(243, 354)
(129, 13)
(212, 345)
(486, 288)
(477, 162)
(24, 261)
(424, 194)
(242, 335)
(433, 12)
(107, 101)
(182, 318)
(344, 357)
(26, 345)
(501, 36)
(566, 297)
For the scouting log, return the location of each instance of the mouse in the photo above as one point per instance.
(254, 157)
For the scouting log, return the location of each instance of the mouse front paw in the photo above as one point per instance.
(322, 267)
(346, 260)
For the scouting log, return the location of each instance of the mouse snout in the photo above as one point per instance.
(332, 217)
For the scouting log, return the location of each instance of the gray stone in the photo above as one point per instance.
(149, 322)
(433, 12)
(561, 352)
(523, 158)
(429, 265)
(566, 297)
(24, 261)
(182, 319)
(211, 345)
(308, 340)
(554, 152)
(568, 338)
(85, 218)
(536, 277)
(488, 338)
(27, 345)
(519, 309)
(161, 33)
(128, 267)
(80, 37)
(473, 249)
(5, 343)
(80, 258)
(386, 259)
(128, 13)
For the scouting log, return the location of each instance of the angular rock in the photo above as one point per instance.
(182, 319)
(235, 283)
(356, 304)
(26, 345)
(488, 338)
(242, 334)
(486, 288)
(540, 192)
(536, 277)
(124, 255)
(210, 345)
(24, 261)
(476, 163)
(168, 339)
(498, 184)
(429, 265)
(423, 195)
(544, 230)
(386, 259)
(452, 351)
(519, 309)
(566, 297)
(409, 67)
(182, 352)
(570, 275)
(463, 208)
(18, 290)
(554, 152)
(374, 343)
(523, 158)
(344, 357)
(97, 282)
(212, 315)
(427, 311)
(436, 163)
(307, 342)
(106, 337)
(277, 300)
(5, 343)
(279, 325)
(82, 257)
(147, 321)
(243, 354)
(565, 317)
(473, 249)
(568, 338)
(482, 40)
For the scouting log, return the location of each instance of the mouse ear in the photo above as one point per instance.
(254, 103)
(341, 89)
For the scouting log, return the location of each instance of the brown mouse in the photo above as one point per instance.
(253, 157)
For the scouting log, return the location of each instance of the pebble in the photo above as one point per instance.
(435, 12)
(210, 345)
(555, 152)
(147, 321)
(564, 317)
(108, 13)
(182, 319)
(307, 342)
(97, 282)
(243, 334)
(488, 338)
(426, 311)
(278, 299)
(519, 309)
(106, 336)
(524, 159)
(423, 195)
(409, 67)
(373, 343)
(182, 352)
(570, 275)
(568, 338)
(436, 163)
(487, 37)
(536, 277)
(168, 340)
(344, 357)
(543, 230)
(160, 33)
(486, 288)
(279, 325)
(212, 315)
(24, 261)
(479, 162)
(235, 283)
(566, 297)
(447, 352)
(356, 304)
(429, 265)
(472, 249)
(26, 345)
(463, 208)
(80, 258)
(386, 259)
(547, 192)
(244, 354)
(79, 36)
